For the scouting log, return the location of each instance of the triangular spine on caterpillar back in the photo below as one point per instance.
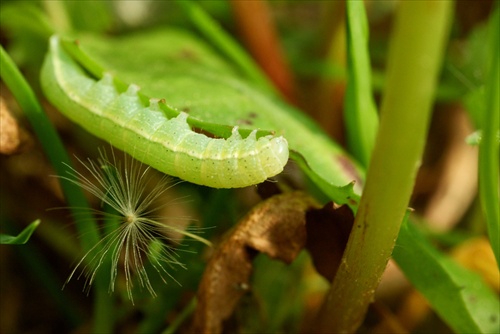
(125, 105)
(102, 93)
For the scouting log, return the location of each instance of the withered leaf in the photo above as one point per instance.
(328, 231)
(275, 227)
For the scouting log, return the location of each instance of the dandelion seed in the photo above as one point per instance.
(136, 236)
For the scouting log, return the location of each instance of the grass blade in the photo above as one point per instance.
(22, 237)
(360, 110)
(488, 149)
(49, 139)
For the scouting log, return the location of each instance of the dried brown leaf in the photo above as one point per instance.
(275, 227)
(328, 230)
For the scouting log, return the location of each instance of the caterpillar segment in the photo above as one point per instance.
(145, 132)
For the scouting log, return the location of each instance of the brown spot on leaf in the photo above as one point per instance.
(328, 231)
(244, 122)
(349, 168)
(275, 227)
(249, 119)
(188, 54)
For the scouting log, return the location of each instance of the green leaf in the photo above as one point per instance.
(27, 29)
(460, 297)
(22, 237)
(89, 15)
(173, 65)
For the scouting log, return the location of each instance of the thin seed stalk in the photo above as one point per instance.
(417, 48)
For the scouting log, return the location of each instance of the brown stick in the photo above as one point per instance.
(259, 35)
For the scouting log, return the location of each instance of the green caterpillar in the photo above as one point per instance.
(144, 131)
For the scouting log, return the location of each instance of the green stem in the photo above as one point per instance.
(103, 311)
(361, 116)
(488, 149)
(416, 53)
(185, 313)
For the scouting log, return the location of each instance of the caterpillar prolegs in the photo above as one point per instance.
(144, 131)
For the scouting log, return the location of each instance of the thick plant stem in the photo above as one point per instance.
(415, 57)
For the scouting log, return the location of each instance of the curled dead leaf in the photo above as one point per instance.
(277, 228)
(328, 231)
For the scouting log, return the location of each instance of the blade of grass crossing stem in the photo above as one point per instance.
(209, 27)
(489, 147)
(50, 142)
(360, 111)
(58, 157)
(415, 57)
(22, 237)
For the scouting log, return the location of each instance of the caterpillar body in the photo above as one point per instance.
(145, 132)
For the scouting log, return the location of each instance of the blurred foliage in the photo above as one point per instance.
(283, 298)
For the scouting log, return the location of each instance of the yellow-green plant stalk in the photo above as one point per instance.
(416, 52)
